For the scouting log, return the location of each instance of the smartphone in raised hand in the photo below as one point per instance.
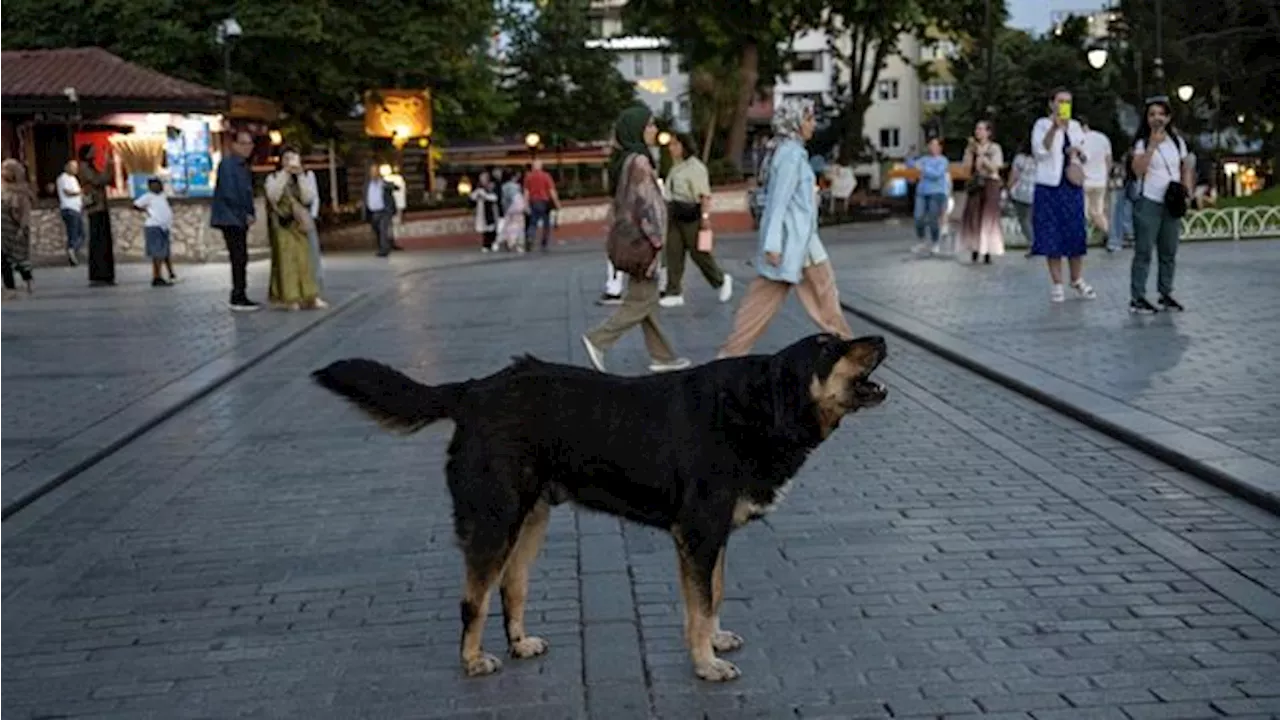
(1064, 110)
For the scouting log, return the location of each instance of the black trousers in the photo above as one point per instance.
(237, 240)
(102, 254)
(7, 266)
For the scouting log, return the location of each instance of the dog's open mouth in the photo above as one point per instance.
(869, 393)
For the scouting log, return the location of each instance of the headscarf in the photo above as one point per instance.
(14, 178)
(628, 139)
(788, 116)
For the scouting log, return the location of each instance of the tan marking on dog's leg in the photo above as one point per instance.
(701, 626)
(475, 606)
(515, 583)
(721, 640)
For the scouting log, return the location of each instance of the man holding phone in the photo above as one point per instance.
(1058, 206)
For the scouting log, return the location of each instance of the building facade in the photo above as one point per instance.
(659, 74)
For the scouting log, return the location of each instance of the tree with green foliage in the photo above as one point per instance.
(753, 35)
(1026, 70)
(316, 58)
(564, 89)
(865, 34)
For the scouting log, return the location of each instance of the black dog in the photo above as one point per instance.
(697, 453)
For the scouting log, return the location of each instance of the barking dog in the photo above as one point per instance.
(698, 453)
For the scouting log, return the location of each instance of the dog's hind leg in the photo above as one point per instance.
(721, 640)
(698, 559)
(515, 583)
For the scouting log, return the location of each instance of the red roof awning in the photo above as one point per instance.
(35, 81)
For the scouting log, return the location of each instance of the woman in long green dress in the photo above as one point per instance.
(293, 283)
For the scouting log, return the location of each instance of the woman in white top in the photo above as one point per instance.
(1058, 209)
(1160, 158)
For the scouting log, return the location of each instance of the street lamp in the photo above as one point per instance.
(225, 32)
(1097, 58)
(464, 186)
(531, 141)
(1186, 92)
(664, 138)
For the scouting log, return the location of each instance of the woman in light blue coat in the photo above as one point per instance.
(790, 253)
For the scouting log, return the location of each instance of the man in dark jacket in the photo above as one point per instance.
(380, 209)
(232, 213)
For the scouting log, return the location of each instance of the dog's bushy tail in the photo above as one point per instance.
(396, 401)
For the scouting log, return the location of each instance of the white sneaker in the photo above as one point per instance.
(726, 288)
(919, 248)
(594, 354)
(1057, 293)
(672, 301)
(669, 366)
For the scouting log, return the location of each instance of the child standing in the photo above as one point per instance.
(156, 230)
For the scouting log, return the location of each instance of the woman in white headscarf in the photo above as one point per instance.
(790, 254)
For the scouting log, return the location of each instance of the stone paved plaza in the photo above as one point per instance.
(961, 551)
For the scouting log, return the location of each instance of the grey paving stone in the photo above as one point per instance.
(274, 554)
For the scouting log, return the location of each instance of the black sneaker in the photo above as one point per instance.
(1140, 306)
(608, 299)
(244, 305)
(1168, 303)
(160, 282)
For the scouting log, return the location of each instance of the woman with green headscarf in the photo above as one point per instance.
(634, 184)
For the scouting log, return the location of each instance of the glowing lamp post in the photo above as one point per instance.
(532, 141)
(1186, 92)
(1097, 58)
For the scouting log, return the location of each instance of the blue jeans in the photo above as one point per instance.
(1121, 219)
(539, 214)
(928, 213)
(74, 221)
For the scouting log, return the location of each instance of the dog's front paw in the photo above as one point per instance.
(529, 647)
(725, 641)
(484, 664)
(717, 670)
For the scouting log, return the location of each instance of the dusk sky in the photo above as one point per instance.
(1034, 14)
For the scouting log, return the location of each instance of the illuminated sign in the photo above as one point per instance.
(397, 114)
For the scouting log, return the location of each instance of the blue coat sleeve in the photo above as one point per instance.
(782, 186)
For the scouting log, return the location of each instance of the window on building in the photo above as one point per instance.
(941, 50)
(667, 108)
(939, 93)
(681, 66)
(637, 64)
(685, 109)
(666, 64)
(887, 90)
(597, 27)
(889, 138)
(807, 62)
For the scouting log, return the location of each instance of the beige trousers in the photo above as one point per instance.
(639, 307)
(817, 292)
(1095, 207)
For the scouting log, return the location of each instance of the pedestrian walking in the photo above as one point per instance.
(1163, 169)
(16, 200)
(1123, 192)
(156, 229)
(689, 203)
(638, 213)
(93, 189)
(312, 188)
(1022, 192)
(980, 231)
(540, 190)
(232, 213)
(71, 208)
(931, 196)
(514, 209)
(1058, 207)
(1097, 178)
(485, 199)
(790, 253)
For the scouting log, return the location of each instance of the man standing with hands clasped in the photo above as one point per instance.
(232, 213)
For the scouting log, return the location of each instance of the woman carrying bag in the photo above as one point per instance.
(638, 225)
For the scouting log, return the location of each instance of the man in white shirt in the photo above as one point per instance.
(379, 209)
(71, 206)
(1097, 173)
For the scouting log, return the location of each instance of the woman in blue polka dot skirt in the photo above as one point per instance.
(1058, 208)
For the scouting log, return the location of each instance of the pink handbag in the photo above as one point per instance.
(706, 240)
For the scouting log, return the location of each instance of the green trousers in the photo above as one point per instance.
(1153, 227)
(682, 240)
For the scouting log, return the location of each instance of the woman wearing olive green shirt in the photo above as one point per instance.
(689, 203)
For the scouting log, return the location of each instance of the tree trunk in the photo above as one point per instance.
(852, 123)
(711, 134)
(748, 76)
